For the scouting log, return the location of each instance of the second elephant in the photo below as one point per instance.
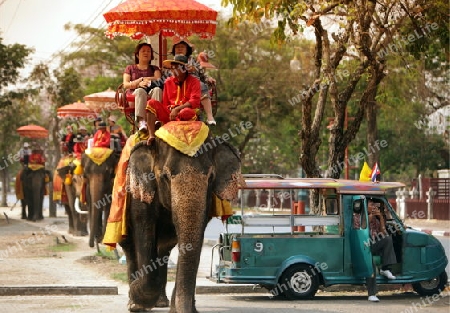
(99, 178)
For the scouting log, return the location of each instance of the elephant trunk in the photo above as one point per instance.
(100, 202)
(191, 191)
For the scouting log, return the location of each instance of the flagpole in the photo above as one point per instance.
(346, 147)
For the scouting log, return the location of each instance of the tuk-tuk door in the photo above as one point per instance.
(358, 227)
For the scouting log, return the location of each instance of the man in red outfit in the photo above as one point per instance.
(181, 97)
(79, 146)
(102, 137)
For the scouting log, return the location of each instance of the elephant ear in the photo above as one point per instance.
(140, 180)
(228, 177)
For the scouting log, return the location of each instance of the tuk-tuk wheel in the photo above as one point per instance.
(299, 282)
(431, 287)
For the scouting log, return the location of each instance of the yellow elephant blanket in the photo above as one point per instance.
(185, 136)
(98, 155)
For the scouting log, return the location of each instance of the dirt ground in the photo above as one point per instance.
(28, 244)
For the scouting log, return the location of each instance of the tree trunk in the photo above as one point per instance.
(4, 187)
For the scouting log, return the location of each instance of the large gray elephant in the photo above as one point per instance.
(33, 184)
(75, 210)
(99, 179)
(171, 196)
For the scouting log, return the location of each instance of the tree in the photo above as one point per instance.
(254, 84)
(15, 105)
(346, 32)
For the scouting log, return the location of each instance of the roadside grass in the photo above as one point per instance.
(63, 247)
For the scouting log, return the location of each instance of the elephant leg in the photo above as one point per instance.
(41, 205)
(145, 288)
(24, 208)
(30, 205)
(167, 239)
(81, 225)
(70, 217)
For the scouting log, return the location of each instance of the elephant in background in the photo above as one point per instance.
(77, 216)
(171, 195)
(33, 184)
(99, 179)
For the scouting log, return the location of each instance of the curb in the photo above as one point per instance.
(58, 290)
(434, 232)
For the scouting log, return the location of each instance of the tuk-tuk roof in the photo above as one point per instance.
(340, 185)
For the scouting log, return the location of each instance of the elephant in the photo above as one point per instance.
(170, 198)
(77, 216)
(33, 184)
(99, 179)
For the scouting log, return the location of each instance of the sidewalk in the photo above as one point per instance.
(62, 273)
(433, 227)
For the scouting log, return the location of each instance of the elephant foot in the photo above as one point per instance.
(80, 233)
(162, 302)
(134, 307)
(24, 217)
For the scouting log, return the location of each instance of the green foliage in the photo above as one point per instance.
(12, 59)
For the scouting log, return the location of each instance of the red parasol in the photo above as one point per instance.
(138, 18)
(32, 131)
(75, 110)
(105, 100)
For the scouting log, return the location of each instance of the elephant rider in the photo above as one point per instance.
(79, 146)
(102, 137)
(68, 141)
(181, 97)
(37, 156)
(24, 154)
(117, 133)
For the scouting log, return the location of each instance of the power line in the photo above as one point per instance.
(14, 15)
(93, 18)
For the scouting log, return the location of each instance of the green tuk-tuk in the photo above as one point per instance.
(272, 243)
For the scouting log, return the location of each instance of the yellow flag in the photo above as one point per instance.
(365, 173)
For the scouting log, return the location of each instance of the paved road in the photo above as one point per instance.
(234, 303)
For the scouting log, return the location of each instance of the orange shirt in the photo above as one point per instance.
(102, 139)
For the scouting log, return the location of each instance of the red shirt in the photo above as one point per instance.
(79, 148)
(102, 138)
(175, 95)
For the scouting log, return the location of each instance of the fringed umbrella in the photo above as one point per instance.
(139, 18)
(75, 110)
(102, 101)
(32, 131)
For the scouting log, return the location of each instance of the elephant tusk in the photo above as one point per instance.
(77, 206)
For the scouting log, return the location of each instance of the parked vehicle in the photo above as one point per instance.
(270, 244)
